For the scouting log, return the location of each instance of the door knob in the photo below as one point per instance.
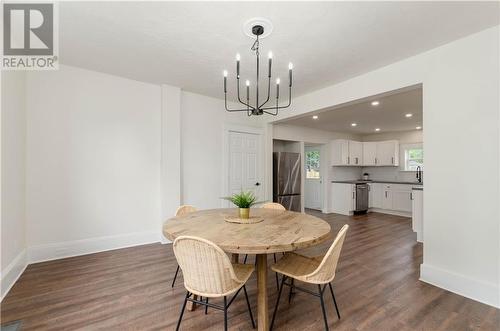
(257, 184)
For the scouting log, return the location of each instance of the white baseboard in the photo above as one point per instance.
(47, 252)
(12, 272)
(390, 212)
(487, 293)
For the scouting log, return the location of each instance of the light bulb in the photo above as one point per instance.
(278, 81)
(270, 55)
(238, 57)
(247, 82)
(225, 73)
(290, 66)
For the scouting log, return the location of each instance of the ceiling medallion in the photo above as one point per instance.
(257, 28)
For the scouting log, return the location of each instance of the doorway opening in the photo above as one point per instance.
(313, 197)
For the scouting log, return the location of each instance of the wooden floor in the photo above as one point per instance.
(377, 288)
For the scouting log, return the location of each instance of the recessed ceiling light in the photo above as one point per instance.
(409, 115)
(375, 103)
(315, 117)
(377, 129)
(418, 127)
(353, 124)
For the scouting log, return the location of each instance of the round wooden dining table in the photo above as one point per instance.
(280, 231)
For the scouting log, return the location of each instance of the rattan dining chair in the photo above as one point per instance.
(276, 206)
(318, 270)
(182, 210)
(209, 273)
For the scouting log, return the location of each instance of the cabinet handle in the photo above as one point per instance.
(375, 160)
(353, 195)
(348, 160)
(392, 160)
(386, 194)
(411, 195)
(356, 160)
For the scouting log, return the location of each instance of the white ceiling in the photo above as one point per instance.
(188, 44)
(389, 115)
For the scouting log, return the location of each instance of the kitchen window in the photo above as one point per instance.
(312, 164)
(413, 157)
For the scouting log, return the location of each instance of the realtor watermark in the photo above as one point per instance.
(30, 36)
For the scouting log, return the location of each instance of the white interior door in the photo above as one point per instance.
(244, 162)
(313, 197)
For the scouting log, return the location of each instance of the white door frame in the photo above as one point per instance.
(225, 157)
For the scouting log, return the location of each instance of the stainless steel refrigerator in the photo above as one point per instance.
(286, 180)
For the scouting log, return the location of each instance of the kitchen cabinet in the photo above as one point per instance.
(355, 153)
(375, 195)
(387, 197)
(343, 198)
(417, 214)
(401, 197)
(369, 153)
(339, 151)
(387, 153)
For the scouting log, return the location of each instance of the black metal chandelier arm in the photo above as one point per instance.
(281, 107)
(233, 110)
(268, 93)
(239, 99)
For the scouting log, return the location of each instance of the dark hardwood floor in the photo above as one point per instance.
(377, 288)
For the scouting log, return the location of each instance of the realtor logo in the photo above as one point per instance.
(29, 38)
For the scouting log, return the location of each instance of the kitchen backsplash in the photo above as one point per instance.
(389, 173)
(376, 173)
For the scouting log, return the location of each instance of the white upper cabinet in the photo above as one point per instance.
(355, 153)
(369, 153)
(340, 152)
(387, 153)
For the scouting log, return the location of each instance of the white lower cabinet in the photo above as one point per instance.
(375, 195)
(391, 197)
(417, 214)
(401, 197)
(343, 198)
(387, 197)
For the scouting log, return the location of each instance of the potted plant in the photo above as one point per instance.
(243, 200)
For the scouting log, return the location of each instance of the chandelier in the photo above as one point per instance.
(258, 108)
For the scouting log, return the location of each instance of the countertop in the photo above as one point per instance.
(360, 181)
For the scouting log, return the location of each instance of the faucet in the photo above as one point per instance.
(419, 174)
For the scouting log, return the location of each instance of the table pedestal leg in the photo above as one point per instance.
(191, 305)
(235, 258)
(262, 308)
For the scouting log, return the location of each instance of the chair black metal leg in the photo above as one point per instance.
(206, 306)
(334, 301)
(277, 301)
(245, 260)
(249, 308)
(182, 312)
(225, 314)
(276, 274)
(175, 277)
(290, 293)
(323, 305)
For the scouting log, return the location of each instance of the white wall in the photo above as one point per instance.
(394, 173)
(93, 162)
(461, 122)
(203, 121)
(13, 142)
